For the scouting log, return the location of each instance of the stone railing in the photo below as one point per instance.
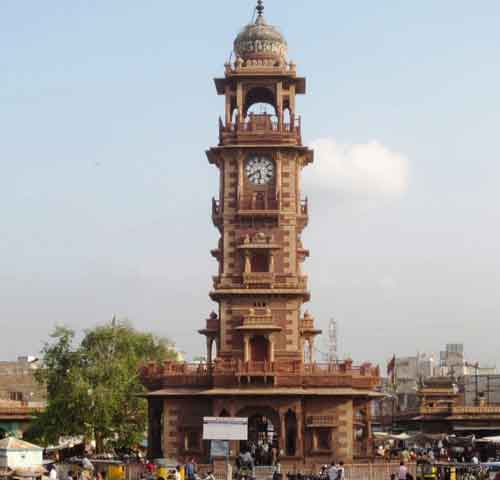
(292, 373)
(321, 421)
(479, 410)
(258, 278)
(435, 410)
(260, 128)
(307, 323)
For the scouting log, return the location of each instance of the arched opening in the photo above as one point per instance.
(261, 109)
(263, 435)
(259, 349)
(291, 433)
(260, 100)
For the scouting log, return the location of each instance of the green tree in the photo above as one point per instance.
(93, 388)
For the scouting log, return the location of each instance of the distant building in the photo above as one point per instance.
(20, 395)
(483, 388)
(17, 381)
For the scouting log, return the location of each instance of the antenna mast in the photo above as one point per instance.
(333, 341)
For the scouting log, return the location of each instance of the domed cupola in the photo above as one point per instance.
(261, 44)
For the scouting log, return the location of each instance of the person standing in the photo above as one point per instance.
(177, 475)
(332, 472)
(403, 471)
(341, 471)
(190, 470)
(53, 473)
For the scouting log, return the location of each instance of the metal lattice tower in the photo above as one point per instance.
(332, 341)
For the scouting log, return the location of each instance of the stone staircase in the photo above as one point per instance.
(264, 473)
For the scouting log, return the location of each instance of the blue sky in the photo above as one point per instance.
(106, 109)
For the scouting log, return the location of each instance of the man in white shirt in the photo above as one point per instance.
(332, 472)
(53, 473)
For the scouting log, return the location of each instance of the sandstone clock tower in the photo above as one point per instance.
(260, 212)
(260, 362)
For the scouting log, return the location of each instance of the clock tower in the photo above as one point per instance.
(260, 362)
(260, 211)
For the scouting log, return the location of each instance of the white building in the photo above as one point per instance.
(19, 456)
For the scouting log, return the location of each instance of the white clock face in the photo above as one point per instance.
(259, 169)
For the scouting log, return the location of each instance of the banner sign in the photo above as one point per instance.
(225, 428)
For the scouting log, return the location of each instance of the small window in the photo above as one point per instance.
(260, 262)
(16, 396)
(192, 441)
(324, 439)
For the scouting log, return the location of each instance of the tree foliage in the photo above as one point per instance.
(93, 387)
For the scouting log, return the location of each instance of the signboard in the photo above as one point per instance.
(225, 428)
(219, 449)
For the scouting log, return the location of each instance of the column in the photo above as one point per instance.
(217, 346)
(300, 427)
(239, 194)
(239, 100)
(311, 350)
(209, 350)
(369, 439)
(278, 179)
(248, 265)
(279, 104)
(314, 439)
(271, 262)
(246, 348)
(271, 348)
(228, 105)
(282, 432)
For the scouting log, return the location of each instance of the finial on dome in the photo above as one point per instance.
(260, 7)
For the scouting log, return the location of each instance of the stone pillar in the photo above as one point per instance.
(271, 262)
(279, 104)
(282, 431)
(228, 105)
(217, 346)
(311, 350)
(314, 439)
(246, 348)
(271, 348)
(300, 432)
(210, 341)
(369, 438)
(239, 100)
(248, 265)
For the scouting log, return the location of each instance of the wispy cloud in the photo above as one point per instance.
(369, 169)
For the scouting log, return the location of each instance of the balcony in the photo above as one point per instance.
(259, 204)
(260, 129)
(259, 280)
(285, 373)
(258, 320)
